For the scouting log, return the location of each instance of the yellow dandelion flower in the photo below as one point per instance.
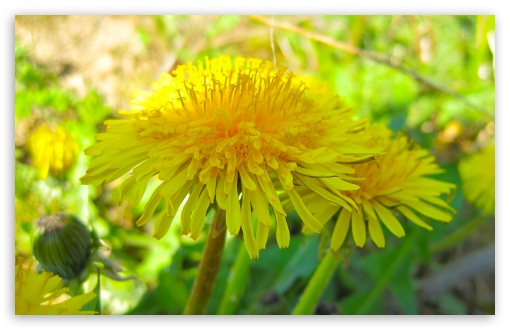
(44, 294)
(52, 150)
(395, 181)
(479, 179)
(234, 134)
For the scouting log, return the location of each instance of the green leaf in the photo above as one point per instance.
(169, 297)
(403, 290)
(383, 267)
(301, 264)
(451, 305)
(350, 305)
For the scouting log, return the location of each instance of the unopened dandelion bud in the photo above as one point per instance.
(64, 245)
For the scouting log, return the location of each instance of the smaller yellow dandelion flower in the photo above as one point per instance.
(44, 294)
(395, 181)
(479, 179)
(52, 150)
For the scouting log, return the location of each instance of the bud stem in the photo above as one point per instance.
(208, 269)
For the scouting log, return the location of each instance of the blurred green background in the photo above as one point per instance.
(431, 77)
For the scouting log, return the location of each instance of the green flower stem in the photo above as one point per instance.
(236, 283)
(317, 284)
(206, 277)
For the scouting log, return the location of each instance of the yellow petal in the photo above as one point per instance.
(323, 192)
(389, 220)
(262, 234)
(199, 214)
(233, 210)
(174, 184)
(221, 196)
(249, 238)
(246, 179)
(375, 231)
(178, 198)
(305, 214)
(188, 208)
(260, 207)
(341, 228)
(438, 201)
(430, 211)
(150, 207)
(163, 223)
(358, 229)
(211, 189)
(282, 231)
(409, 214)
(270, 191)
(369, 210)
(338, 183)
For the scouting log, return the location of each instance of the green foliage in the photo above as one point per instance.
(388, 269)
(452, 52)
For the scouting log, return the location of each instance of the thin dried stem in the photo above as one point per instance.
(348, 48)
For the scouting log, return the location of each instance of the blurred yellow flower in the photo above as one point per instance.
(395, 181)
(222, 129)
(478, 175)
(52, 150)
(43, 294)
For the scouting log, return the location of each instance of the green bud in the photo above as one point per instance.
(64, 245)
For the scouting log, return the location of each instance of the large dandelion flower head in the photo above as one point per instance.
(395, 182)
(44, 294)
(233, 135)
(478, 174)
(52, 150)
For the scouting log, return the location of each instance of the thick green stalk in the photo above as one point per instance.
(236, 283)
(206, 277)
(317, 284)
